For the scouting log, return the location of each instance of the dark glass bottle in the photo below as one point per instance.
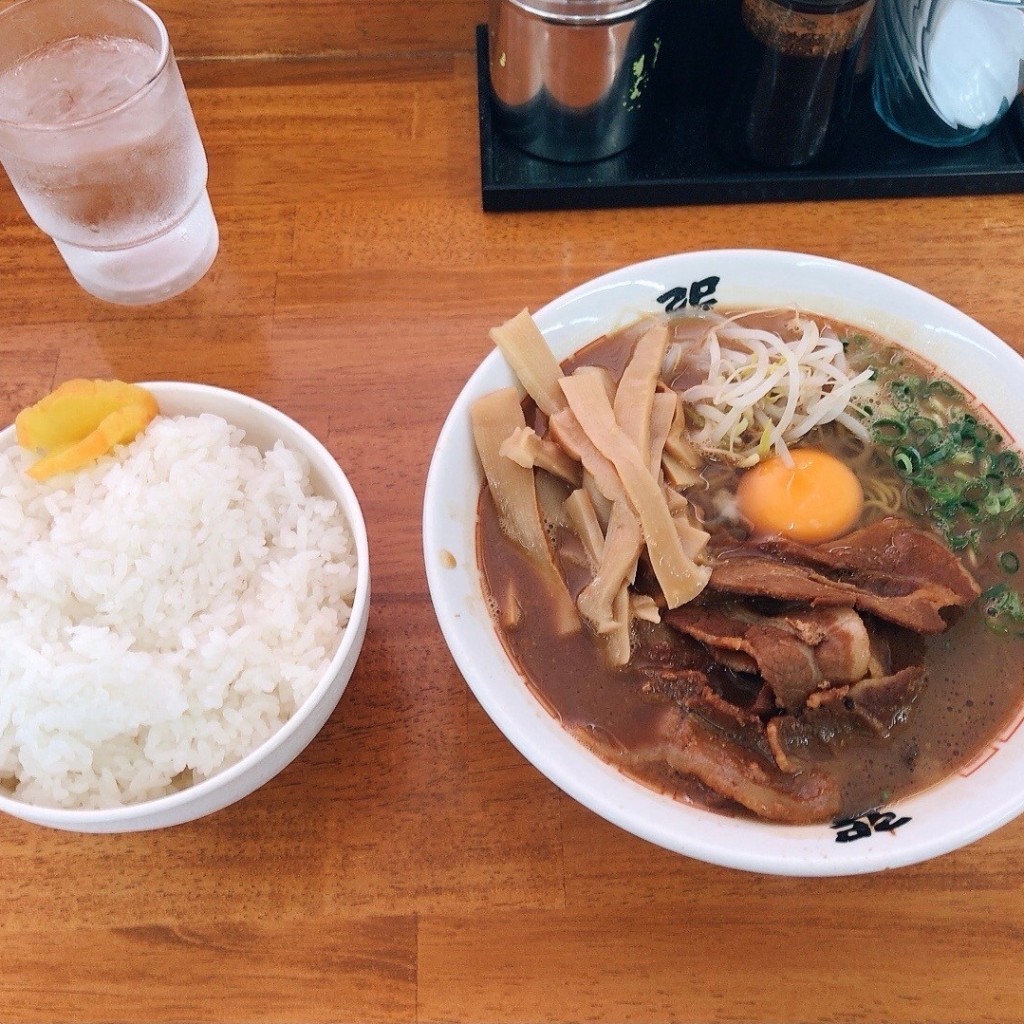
(797, 61)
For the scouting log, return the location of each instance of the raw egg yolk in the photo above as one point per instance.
(815, 499)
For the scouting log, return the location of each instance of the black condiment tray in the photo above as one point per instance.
(677, 163)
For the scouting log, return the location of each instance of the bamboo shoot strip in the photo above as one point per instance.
(494, 418)
(622, 546)
(680, 578)
(643, 606)
(693, 538)
(582, 516)
(616, 640)
(525, 447)
(677, 444)
(679, 459)
(565, 429)
(606, 378)
(663, 411)
(635, 394)
(602, 506)
(527, 353)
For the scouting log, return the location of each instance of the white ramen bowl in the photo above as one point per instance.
(975, 801)
(263, 426)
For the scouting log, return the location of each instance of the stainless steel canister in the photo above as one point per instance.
(573, 80)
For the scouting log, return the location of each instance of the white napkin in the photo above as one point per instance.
(973, 52)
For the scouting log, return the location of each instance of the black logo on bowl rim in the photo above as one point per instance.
(697, 295)
(860, 826)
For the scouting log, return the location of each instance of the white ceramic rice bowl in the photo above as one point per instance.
(985, 795)
(263, 425)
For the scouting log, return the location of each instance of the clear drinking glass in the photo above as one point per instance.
(99, 141)
(947, 70)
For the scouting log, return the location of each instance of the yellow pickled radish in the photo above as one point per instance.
(76, 408)
(80, 421)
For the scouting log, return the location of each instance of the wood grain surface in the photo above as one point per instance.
(410, 865)
(289, 28)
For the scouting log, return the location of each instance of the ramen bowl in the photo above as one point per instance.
(264, 426)
(980, 797)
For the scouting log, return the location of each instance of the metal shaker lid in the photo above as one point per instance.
(580, 12)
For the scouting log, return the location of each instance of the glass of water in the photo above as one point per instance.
(99, 141)
(947, 70)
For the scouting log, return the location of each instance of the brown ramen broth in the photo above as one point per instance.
(922, 433)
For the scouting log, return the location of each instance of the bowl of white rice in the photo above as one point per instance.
(177, 620)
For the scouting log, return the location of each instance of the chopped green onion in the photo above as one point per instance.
(943, 387)
(1009, 562)
(889, 431)
(1007, 463)
(974, 490)
(906, 460)
(957, 472)
(962, 458)
(1004, 611)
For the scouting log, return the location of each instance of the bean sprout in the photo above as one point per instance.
(762, 392)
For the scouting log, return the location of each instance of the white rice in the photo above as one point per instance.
(161, 613)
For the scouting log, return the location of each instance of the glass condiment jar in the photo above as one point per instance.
(797, 63)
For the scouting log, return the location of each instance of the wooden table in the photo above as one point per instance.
(410, 865)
